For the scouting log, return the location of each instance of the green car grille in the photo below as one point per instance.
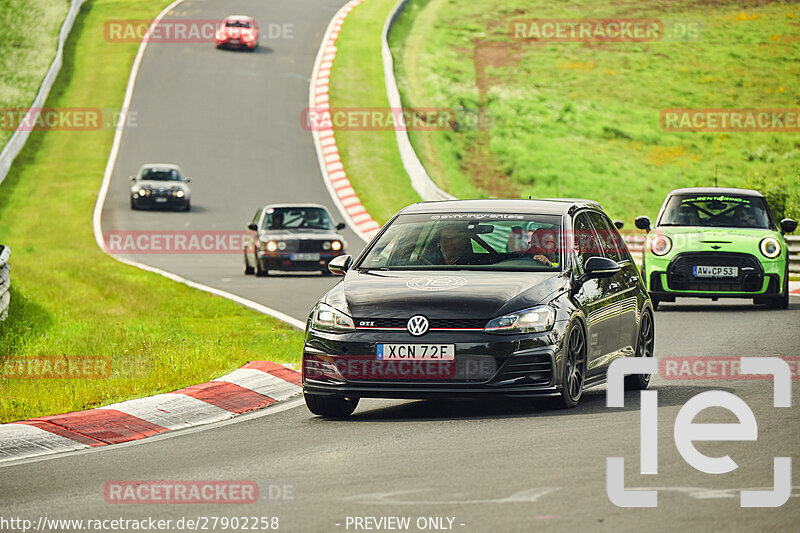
(680, 272)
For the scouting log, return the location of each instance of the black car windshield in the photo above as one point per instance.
(160, 174)
(237, 24)
(468, 241)
(282, 218)
(717, 211)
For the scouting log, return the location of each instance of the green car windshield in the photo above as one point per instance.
(475, 241)
(716, 211)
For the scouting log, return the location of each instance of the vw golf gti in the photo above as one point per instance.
(471, 298)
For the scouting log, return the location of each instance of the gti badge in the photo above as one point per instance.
(417, 325)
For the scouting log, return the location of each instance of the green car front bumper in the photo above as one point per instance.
(672, 275)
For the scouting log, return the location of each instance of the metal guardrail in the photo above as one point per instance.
(794, 253)
(420, 180)
(5, 281)
(15, 144)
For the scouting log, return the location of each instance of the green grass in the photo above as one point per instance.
(575, 119)
(370, 158)
(68, 297)
(24, 60)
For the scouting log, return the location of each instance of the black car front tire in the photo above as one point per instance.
(645, 342)
(260, 273)
(573, 374)
(247, 268)
(331, 406)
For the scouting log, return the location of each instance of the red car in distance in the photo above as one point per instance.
(237, 31)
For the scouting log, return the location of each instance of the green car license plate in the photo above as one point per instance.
(715, 272)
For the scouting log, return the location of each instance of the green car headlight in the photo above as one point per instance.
(532, 320)
(661, 245)
(327, 318)
(770, 247)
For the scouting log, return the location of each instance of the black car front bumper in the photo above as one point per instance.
(485, 365)
(158, 202)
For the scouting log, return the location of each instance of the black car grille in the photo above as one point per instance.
(680, 273)
(434, 323)
(306, 245)
(526, 370)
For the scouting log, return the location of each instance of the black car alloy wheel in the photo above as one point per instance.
(574, 366)
(644, 348)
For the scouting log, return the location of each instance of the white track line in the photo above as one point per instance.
(103, 193)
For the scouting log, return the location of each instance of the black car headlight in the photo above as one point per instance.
(770, 247)
(532, 320)
(330, 319)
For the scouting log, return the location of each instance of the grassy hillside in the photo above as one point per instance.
(582, 119)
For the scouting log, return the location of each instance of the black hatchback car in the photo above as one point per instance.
(298, 237)
(470, 298)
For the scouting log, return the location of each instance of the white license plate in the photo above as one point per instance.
(234, 41)
(416, 352)
(161, 200)
(716, 272)
(305, 257)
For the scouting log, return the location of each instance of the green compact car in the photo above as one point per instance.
(716, 243)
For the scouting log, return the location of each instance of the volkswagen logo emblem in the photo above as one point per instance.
(417, 325)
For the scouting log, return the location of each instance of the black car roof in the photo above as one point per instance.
(716, 191)
(542, 207)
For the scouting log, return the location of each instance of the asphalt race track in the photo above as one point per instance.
(232, 121)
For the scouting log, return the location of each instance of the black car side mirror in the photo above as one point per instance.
(788, 225)
(618, 224)
(642, 223)
(340, 226)
(599, 267)
(132, 178)
(252, 227)
(339, 265)
(187, 180)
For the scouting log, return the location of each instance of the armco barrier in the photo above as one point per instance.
(420, 180)
(5, 281)
(794, 253)
(14, 145)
